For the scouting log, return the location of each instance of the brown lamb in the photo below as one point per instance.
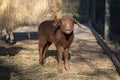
(62, 35)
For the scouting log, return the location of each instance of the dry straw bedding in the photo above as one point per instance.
(14, 13)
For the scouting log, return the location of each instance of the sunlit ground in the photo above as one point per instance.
(87, 61)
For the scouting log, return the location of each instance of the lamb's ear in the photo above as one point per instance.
(56, 21)
(76, 22)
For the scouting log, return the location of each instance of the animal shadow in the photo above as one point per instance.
(54, 53)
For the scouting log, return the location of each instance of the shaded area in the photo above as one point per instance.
(20, 36)
(54, 54)
(5, 72)
(115, 22)
(11, 51)
(26, 36)
(97, 71)
(7, 68)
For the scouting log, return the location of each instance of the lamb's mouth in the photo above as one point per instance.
(68, 31)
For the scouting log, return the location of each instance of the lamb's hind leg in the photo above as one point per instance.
(43, 47)
(40, 54)
(45, 51)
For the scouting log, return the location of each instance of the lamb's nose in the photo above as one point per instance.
(68, 28)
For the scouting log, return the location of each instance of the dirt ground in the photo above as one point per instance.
(87, 61)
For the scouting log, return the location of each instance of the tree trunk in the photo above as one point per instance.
(107, 20)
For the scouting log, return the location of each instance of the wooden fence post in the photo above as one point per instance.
(107, 20)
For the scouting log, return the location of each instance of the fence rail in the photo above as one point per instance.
(115, 57)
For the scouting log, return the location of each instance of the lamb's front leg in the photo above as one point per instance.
(66, 55)
(60, 67)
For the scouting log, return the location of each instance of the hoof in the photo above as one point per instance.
(67, 69)
(60, 71)
(10, 42)
(41, 62)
